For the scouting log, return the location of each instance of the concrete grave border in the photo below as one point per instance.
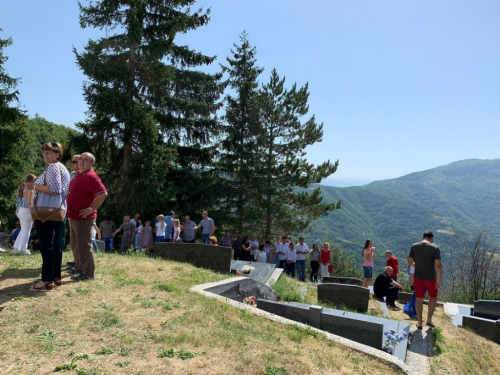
(386, 357)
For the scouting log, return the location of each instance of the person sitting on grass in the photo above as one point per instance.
(386, 287)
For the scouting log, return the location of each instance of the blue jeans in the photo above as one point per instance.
(160, 239)
(137, 238)
(205, 239)
(109, 243)
(367, 272)
(301, 270)
(94, 243)
(290, 269)
(50, 248)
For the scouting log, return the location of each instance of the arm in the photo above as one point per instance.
(439, 271)
(397, 285)
(411, 261)
(97, 203)
(29, 197)
(98, 232)
(116, 231)
(213, 230)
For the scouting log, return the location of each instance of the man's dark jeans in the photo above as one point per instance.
(390, 294)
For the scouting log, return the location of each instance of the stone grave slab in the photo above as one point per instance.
(215, 258)
(262, 272)
(487, 328)
(351, 296)
(488, 309)
(342, 280)
(245, 287)
(100, 246)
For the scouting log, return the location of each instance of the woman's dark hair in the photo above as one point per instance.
(367, 243)
(245, 239)
(29, 178)
(315, 244)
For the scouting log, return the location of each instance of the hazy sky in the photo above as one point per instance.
(400, 86)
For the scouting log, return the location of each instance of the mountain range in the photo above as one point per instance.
(461, 197)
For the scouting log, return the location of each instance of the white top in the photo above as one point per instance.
(94, 232)
(177, 231)
(291, 255)
(301, 248)
(282, 247)
(254, 245)
(261, 257)
(267, 249)
(139, 229)
(159, 231)
(132, 221)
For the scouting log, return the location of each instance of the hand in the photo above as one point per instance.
(99, 236)
(438, 284)
(85, 212)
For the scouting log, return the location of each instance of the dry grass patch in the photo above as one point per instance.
(139, 317)
(457, 350)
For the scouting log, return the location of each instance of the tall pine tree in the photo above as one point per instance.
(13, 164)
(151, 113)
(241, 131)
(285, 174)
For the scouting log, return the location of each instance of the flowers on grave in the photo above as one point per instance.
(250, 300)
(247, 269)
(392, 339)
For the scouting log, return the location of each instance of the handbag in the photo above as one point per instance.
(49, 207)
(330, 268)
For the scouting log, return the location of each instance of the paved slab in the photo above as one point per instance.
(262, 273)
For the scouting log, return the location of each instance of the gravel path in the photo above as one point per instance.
(419, 350)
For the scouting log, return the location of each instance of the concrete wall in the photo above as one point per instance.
(244, 287)
(216, 258)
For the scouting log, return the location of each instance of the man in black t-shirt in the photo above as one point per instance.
(386, 287)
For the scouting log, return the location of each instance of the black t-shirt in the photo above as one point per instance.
(237, 245)
(382, 283)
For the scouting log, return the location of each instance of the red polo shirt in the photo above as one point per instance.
(83, 189)
(393, 262)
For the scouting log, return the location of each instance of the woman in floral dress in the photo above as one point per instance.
(146, 236)
(128, 234)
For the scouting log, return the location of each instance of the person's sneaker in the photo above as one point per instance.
(72, 271)
(2, 250)
(394, 307)
(25, 252)
(72, 264)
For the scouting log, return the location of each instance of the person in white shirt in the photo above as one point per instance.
(254, 245)
(281, 250)
(291, 258)
(302, 250)
(261, 256)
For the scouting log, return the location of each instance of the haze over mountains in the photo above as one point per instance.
(394, 213)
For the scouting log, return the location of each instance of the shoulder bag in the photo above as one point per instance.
(48, 206)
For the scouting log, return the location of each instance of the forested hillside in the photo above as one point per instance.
(394, 213)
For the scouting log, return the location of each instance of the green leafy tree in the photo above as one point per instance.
(285, 176)
(241, 130)
(151, 113)
(12, 136)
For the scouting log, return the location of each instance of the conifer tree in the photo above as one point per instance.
(241, 131)
(283, 195)
(12, 135)
(151, 113)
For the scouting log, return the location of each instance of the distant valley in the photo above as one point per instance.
(394, 213)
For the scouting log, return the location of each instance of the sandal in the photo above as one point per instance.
(58, 282)
(46, 286)
(431, 325)
(419, 327)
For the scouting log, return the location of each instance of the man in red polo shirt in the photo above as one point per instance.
(86, 194)
(392, 262)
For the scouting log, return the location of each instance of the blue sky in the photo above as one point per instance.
(400, 86)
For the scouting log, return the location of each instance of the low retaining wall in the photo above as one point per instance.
(244, 287)
(215, 258)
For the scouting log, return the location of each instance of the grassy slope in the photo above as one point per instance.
(139, 307)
